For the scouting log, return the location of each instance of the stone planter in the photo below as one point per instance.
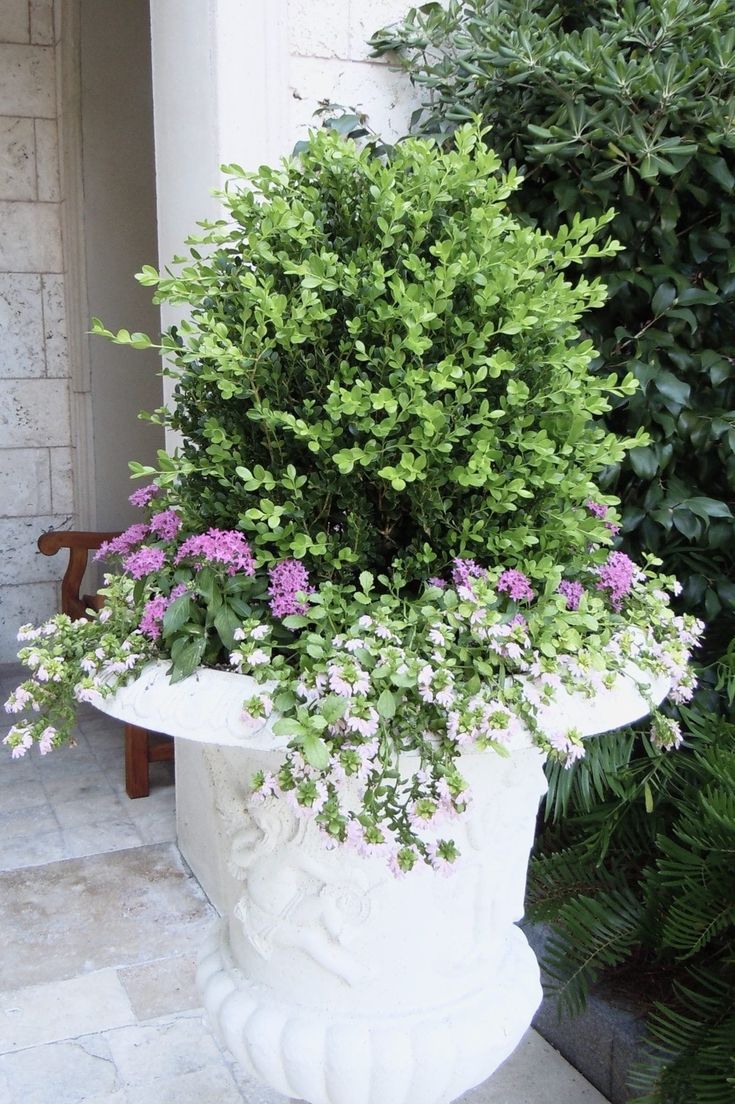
(329, 979)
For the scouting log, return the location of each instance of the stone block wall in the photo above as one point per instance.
(36, 485)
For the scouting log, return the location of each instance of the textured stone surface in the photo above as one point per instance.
(42, 22)
(21, 327)
(323, 37)
(384, 94)
(161, 988)
(20, 560)
(17, 159)
(30, 236)
(54, 323)
(127, 906)
(60, 1010)
(25, 482)
(47, 160)
(34, 412)
(21, 604)
(14, 21)
(365, 19)
(27, 80)
(62, 481)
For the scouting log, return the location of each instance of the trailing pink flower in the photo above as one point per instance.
(144, 562)
(463, 571)
(219, 546)
(124, 543)
(516, 585)
(435, 581)
(287, 579)
(144, 495)
(572, 592)
(166, 524)
(617, 577)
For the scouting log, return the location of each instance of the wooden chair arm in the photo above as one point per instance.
(79, 544)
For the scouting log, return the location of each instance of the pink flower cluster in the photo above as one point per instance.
(516, 585)
(125, 543)
(572, 592)
(600, 511)
(221, 546)
(155, 608)
(144, 495)
(464, 570)
(166, 524)
(617, 576)
(287, 579)
(144, 562)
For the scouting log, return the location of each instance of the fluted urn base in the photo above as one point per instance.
(427, 1056)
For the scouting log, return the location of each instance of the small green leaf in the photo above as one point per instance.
(387, 704)
(315, 751)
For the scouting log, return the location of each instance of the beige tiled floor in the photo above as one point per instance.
(101, 921)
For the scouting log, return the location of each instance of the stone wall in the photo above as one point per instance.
(36, 485)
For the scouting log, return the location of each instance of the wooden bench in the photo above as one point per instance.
(141, 747)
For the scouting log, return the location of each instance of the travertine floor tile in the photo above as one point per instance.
(161, 988)
(62, 1010)
(163, 1049)
(60, 1073)
(105, 910)
(534, 1074)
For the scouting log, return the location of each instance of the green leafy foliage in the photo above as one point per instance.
(626, 106)
(383, 367)
(630, 105)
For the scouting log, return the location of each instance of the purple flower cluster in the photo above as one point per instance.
(125, 543)
(617, 576)
(220, 546)
(572, 592)
(166, 524)
(144, 495)
(464, 570)
(287, 579)
(150, 622)
(600, 511)
(144, 562)
(155, 608)
(516, 585)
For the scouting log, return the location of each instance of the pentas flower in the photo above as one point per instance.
(572, 592)
(464, 571)
(287, 579)
(125, 543)
(516, 585)
(166, 524)
(153, 611)
(144, 562)
(617, 577)
(219, 546)
(144, 495)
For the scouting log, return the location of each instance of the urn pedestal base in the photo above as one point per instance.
(428, 1056)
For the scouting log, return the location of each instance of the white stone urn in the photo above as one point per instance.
(330, 980)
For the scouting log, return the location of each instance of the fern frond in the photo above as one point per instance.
(690, 1048)
(590, 935)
